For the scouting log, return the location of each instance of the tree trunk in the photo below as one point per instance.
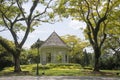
(97, 56)
(17, 63)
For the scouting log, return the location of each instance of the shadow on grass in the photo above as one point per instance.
(22, 73)
(101, 73)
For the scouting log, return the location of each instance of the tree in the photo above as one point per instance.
(32, 56)
(15, 19)
(112, 43)
(76, 46)
(95, 13)
(86, 59)
(35, 45)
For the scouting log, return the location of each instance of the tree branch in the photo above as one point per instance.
(32, 10)
(44, 21)
(102, 19)
(3, 14)
(93, 17)
(81, 10)
(11, 27)
(14, 37)
(107, 9)
(29, 21)
(103, 40)
(87, 18)
(97, 9)
(21, 9)
(43, 11)
(16, 19)
(5, 22)
(89, 35)
(3, 30)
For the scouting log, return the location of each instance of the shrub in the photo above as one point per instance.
(5, 60)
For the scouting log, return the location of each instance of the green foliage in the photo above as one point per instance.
(63, 66)
(35, 45)
(76, 46)
(9, 11)
(32, 56)
(24, 57)
(8, 44)
(19, 27)
(5, 58)
(116, 58)
(15, 18)
(86, 59)
(107, 63)
(97, 15)
(110, 61)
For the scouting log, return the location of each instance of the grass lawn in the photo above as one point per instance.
(58, 70)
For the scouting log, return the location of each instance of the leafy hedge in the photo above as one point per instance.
(59, 66)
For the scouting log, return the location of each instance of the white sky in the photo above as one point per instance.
(43, 31)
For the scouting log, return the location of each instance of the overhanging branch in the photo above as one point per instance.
(103, 40)
(87, 17)
(3, 30)
(43, 11)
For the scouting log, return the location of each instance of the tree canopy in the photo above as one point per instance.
(15, 18)
(96, 14)
(76, 46)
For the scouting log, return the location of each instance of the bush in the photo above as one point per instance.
(59, 66)
(5, 60)
(107, 63)
(5, 63)
(63, 66)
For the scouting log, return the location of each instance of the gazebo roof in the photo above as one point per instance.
(54, 40)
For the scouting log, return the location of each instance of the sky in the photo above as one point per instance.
(43, 31)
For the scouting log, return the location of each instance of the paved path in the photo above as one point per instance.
(56, 78)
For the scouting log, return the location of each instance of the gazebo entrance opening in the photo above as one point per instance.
(49, 57)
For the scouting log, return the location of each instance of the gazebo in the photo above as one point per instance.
(54, 50)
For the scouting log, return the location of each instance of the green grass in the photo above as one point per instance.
(58, 70)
